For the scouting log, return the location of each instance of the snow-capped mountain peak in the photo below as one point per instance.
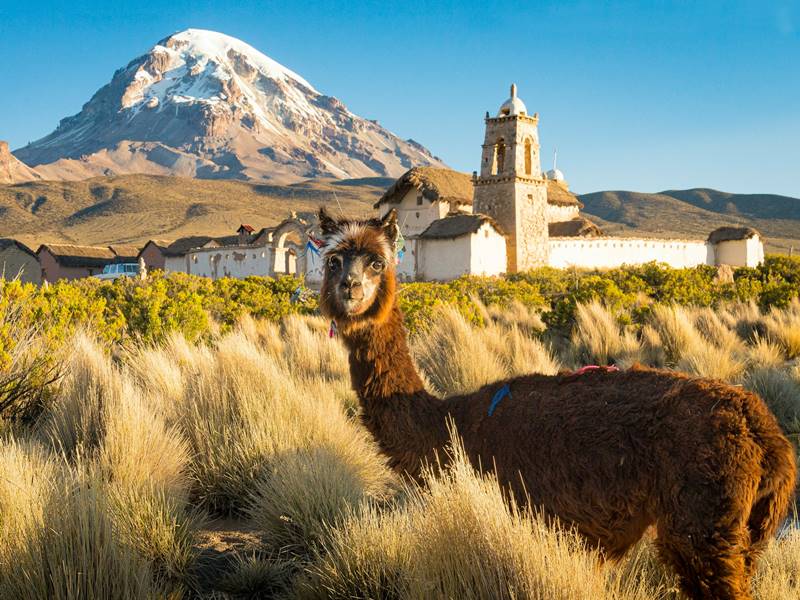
(205, 104)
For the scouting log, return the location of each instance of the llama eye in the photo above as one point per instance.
(378, 265)
(334, 262)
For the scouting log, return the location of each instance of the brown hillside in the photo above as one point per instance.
(694, 213)
(135, 208)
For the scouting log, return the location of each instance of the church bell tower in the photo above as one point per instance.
(511, 188)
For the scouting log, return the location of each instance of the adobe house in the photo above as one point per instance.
(740, 246)
(460, 244)
(67, 261)
(153, 254)
(19, 261)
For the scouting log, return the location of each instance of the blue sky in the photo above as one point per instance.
(674, 95)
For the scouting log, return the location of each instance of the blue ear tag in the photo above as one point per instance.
(498, 396)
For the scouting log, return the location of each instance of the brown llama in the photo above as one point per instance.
(609, 453)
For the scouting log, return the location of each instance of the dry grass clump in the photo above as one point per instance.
(256, 576)
(778, 573)
(696, 341)
(598, 338)
(783, 326)
(132, 450)
(458, 537)
(781, 393)
(457, 358)
(73, 552)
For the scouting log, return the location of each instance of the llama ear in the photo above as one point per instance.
(389, 226)
(327, 224)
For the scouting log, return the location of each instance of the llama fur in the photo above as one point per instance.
(608, 452)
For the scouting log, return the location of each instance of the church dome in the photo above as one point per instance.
(555, 175)
(512, 106)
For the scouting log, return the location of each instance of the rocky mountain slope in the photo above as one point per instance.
(695, 212)
(203, 104)
(12, 170)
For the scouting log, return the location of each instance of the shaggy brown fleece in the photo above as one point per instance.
(608, 452)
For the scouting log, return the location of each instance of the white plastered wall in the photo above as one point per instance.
(443, 259)
(556, 214)
(237, 262)
(740, 253)
(487, 252)
(608, 252)
(414, 218)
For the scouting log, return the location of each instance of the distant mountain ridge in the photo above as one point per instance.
(206, 105)
(133, 208)
(695, 212)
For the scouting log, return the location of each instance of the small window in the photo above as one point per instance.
(486, 233)
(419, 199)
(417, 214)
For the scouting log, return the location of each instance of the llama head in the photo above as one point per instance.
(359, 280)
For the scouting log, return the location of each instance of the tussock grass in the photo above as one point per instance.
(599, 339)
(73, 552)
(458, 536)
(134, 449)
(781, 393)
(783, 326)
(457, 358)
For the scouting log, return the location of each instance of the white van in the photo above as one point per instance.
(116, 271)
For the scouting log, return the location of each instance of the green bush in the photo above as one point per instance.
(196, 306)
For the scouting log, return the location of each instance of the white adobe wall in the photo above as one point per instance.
(414, 218)
(176, 264)
(740, 253)
(556, 214)
(229, 261)
(407, 269)
(487, 252)
(609, 252)
(445, 259)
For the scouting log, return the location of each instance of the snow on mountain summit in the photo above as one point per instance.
(204, 104)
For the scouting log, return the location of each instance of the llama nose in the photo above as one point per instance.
(353, 287)
(351, 281)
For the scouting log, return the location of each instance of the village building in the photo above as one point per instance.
(452, 223)
(17, 261)
(268, 252)
(67, 261)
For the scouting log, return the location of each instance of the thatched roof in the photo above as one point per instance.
(6, 243)
(182, 245)
(446, 185)
(579, 227)
(435, 184)
(729, 234)
(457, 224)
(126, 252)
(560, 195)
(68, 255)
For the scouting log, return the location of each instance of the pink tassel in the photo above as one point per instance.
(587, 368)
